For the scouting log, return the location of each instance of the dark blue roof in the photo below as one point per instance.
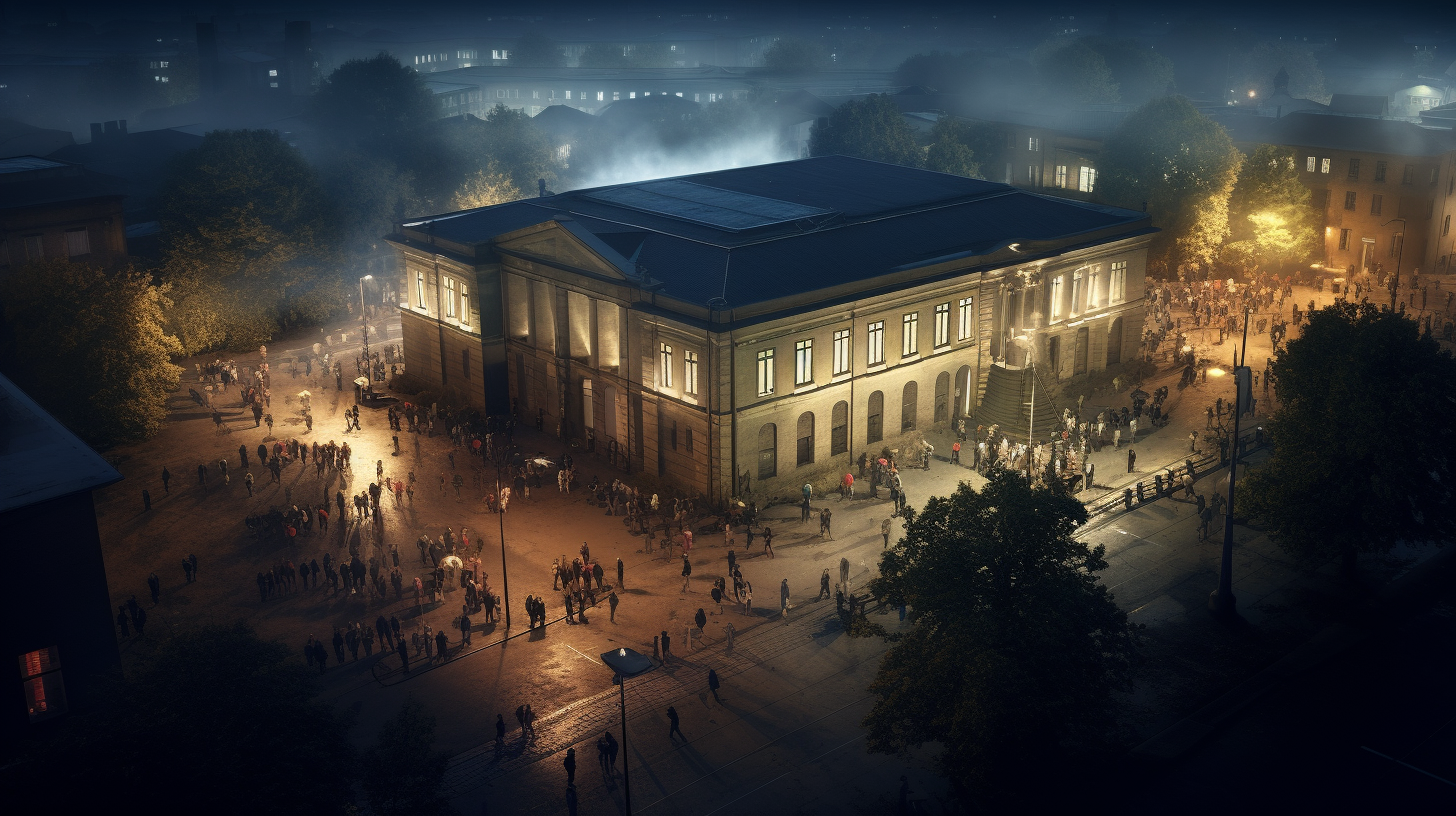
(847, 220)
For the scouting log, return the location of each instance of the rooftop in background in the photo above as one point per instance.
(23, 164)
(39, 459)
(1359, 134)
(755, 234)
(29, 181)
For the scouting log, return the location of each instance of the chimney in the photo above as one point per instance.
(110, 130)
(95, 132)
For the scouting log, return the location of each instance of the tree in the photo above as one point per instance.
(1140, 72)
(1016, 649)
(950, 149)
(1180, 165)
(871, 128)
(604, 55)
(536, 50)
(486, 187)
(402, 772)
(89, 345)
(1072, 72)
(443, 156)
(373, 100)
(1349, 473)
(1269, 209)
(1257, 68)
(938, 70)
(795, 55)
(215, 720)
(251, 242)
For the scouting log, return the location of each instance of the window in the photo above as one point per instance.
(1078, 290)
(40, 676)
(601, 96)
(616, 96)
(805, 439)
(842, 352)
(1396, 244)
(568, 94)
(876, 351)
(1435, 174)
(1033, 175)
(631, 94)
(1350, 200)
(803, 362)
(664, 353)
(690, 440)
(1446, 227)
(839, 429)
(768, 451)
(1094, 287)
(464, 305)
(1409, 176)
(909, 404)
(78, 243)
(1354, 172)
(1033, 144)
(690, 373)
(765, 372)
(1054, 293)
(449, 297)
(875, 418)
(535, 94)
(420, 289)
(34, 249)
(942, 325)
(1087, 179)
(1325, 166)
(910, 334)
(273, 72)
(1117, 288)
(965, 319)
(1309, 164)
(500, 93)
(1380, 171)
(1375, 202)
(465, 362)
(1061, 176)
(1344, 239)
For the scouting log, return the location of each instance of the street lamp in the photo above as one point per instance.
(626, 663)
(1395, 282)
(502, 457)
(364, 324)
(1221, 601)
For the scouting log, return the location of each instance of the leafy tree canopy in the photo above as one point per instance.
(1183, 166)
(1141, 73)
(1344, 478)
(89, 345)
(486, 187)
(1257, 68)
(536, 50)
(373, 100)
(402, 773)
(950, 149)
(1270, 208)
(1016, 650)
(1072, 72)
(871, 128)
(449, 152)
(216, 720)
(796, 55)
(252, 241)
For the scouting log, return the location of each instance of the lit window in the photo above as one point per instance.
(1325, 166)
(966, 319)
(1309, 164)
(876, 350)
(1062, 176)
(420, 289)
(272, 84)
(601, 96)
(1344, 239)
(272, 72)
(842, 352)
(690, 380)
(803, 362)
(449, 297)
(765, 372)
(1077, 291)
(1054, 291)
(78, 242)
(942, 325)
(464, 304)
(910, 334)
(664, 353)
(1033, 144)
(1087, 179)
(616, 96)
(1118, 283)
(40, 675)
(535, 94)
(164, 79)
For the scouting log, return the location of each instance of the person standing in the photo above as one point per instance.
(713, 685)
(666, 645)
(154, 584)
(823, 585)
(687, 572)
(701, 619)
(621, 581)
(570, 764)
(464, 630)
(442, 645)
(1131, 459)
(844, 573)
(612, 606)
(146, 500)
(768, 535)
(674, 729)
(166, 481)
(500, 732)
(884, 533)
(784, 599)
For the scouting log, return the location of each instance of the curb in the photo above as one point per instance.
(1394, 601)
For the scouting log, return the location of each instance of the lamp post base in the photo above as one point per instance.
(1222, 606)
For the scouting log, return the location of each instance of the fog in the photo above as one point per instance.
(642, 162)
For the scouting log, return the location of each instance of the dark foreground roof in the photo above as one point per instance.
(755, 234)
(39, 459)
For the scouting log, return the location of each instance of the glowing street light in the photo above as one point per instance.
(626, 663)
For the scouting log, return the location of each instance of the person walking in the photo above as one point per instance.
(621, 571)
(713, 685)
(701, 619)
(442, 645)
(154, 584)
(687, 572)
(747, 598)
(823, 585)
(768, 535)
(166, 481)
(500, 732)
(570, 764)
(676, 725)
(612, 606)
(1131, 459)
(885, 533)
(784, 599)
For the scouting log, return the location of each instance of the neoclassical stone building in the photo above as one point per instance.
(732, 329)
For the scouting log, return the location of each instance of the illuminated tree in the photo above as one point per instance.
(796, 55)
(1270, 210)
(486, 187)
(871, 128)
(1373, 483)
(1016, 650)
(89, 345)
(1180, 165)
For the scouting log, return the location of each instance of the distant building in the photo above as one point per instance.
(140, 159)
(56, 210)
(61, 634)
(750, 328)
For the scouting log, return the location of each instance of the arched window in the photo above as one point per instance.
(875, 418)
(839, 429)
(942, 397)
(768, 451)
(909, 403)
(1079, 352)
(1114, 343)
(806, 439)
(963, 392)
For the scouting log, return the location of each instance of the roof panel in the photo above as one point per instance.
(701, 204)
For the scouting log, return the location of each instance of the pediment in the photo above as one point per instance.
(567, 243)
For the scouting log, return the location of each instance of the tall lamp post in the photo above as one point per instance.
(364, 323)
(1221, 601)
(626, 663)
(502, 457)
(1395, 282)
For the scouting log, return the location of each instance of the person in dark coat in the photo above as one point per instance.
(713, 684)
(570, 764)
(146, 500)
(155, 585)
(403, 653)
(442, 644)
(672, 717)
